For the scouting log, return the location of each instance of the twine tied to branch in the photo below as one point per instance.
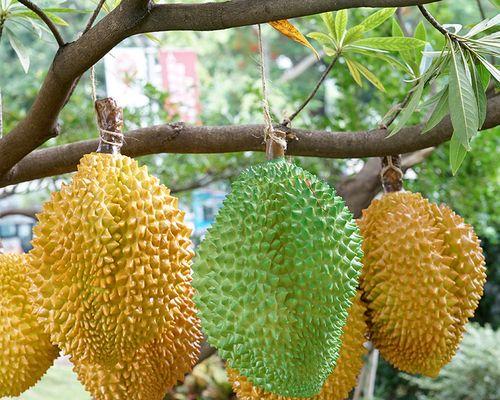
(275, 139)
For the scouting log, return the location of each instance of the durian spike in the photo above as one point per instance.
(391, 174)
(110, 124)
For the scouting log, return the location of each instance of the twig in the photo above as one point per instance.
(38, 11)
(433, 21)
(481, 9)
(94, 16)
(89, 25)
(400, 106)
(315, 90)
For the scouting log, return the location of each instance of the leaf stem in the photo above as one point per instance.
(38, 11)
(315, 90)
(94, 16)
(433, 21)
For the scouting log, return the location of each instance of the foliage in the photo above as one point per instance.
(15, 18)
(472, 374)
(349, 43)
(462, 65)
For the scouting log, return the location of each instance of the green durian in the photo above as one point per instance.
(275, 277)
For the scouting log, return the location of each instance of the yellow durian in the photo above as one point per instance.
(26, 352)
(345, 374)
(423, 275)
(111, 260)
(152, 370)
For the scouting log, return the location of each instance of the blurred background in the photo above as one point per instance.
(212, 78)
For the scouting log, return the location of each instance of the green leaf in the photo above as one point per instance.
(491, 68)
(20, 50)
(56, 19)
(408, 55)
(328, 19)
(432, 101)
(382, 56)
(409, 109)
(369, 75)
(457, 154)
(439, 112)
(322, 38)
(329, 51)
(462, 102)
(479, 92)
(396, 28)
(484, 75)
(356, 32)
(420, 34)
(152, 37)
(483, 25)
(340, 24)
(377, 18)
(390, 43)
(354, 72)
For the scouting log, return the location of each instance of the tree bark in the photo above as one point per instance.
(180, 138)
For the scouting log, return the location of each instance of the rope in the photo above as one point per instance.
(93, 83)
(119, 135)
(269, 131)
(103, 132)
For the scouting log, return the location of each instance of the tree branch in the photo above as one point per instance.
(132, 17)
(38, 11)
(180, 138)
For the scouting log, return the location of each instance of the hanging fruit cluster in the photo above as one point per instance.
(277, 281)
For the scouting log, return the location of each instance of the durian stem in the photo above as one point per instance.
(391, 174)
(275, 144)
(110, 124)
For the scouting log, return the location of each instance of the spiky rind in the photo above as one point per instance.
(345, 374)
(154, 368)
(112, 260)
(26, 352)
(275, 276)
(423, 276)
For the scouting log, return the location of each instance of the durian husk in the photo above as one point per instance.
(345, 374)
(275, 277)
(111, 260)
(26, 352)
(423, 275)
(153, 369)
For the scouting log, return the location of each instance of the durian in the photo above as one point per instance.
(275, 277)
(111, 259)
(345, 374)
(153, 369)
(26, 352)
(423, 277)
